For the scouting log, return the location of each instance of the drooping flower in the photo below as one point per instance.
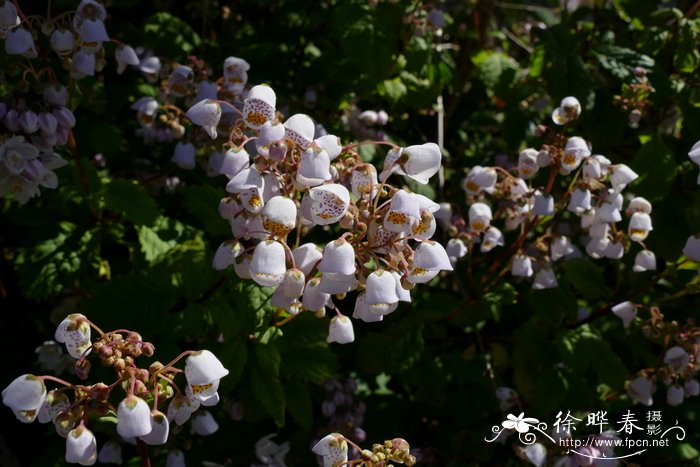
(479, 217)
(279, 215)
(202, 371)
(184, 155)
(480, 179)
(626, 311)
(81, 446)
(314, 299)
(429, 259)
(363, 312)
(340, 330)
(160, 429)
(691, 250)
(203, 423)
(314, 167)
(493, 237)
(527, 163)
(259, 106)
(25, 395)
(300, 130)
(675, 395)
(133, 417)
(125, 55)
(74, 332)
(569, 109)
(621, 176)
(268, 264)
(575, 151)
(639, 227)
(645, 260)
(333, 448)
(364, 181)
(176, 458)
(677, 359)
(15, 153)
(338, 258)
(419, 162)
(62, 42)
(329, 203)
(521, 265)
(92, 35)
(206, 114)
(20, 42)
(306, 256)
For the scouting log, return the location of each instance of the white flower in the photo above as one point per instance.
(527, 163)
(333, 448)
(591, 170)
(54, 403)
(644, 261)
(15, 153)
(545, 279)
(292, 286)
(626, 311)
(560, 247)
(329, 203)
(575, 151)
(279, 215)
(314, 299)
(202, 368)
(621, 176)
(694, 153)
(110, 453)
(20, 42)
(338, 257)
(429, 259)
(544, 204)
(479, 217)
(300, 130)
(125, 55)
(271, 453)
(176, 458)
(226, 254)
(235, 73)
(92, 35)
(245, 180)
(675, 395)
(81, 446)
(493, 237)
(184, 155)
(569, 109)
(203, 423)
(74, 332)
(691, 387)
(206, 90)
(406, 211)
(133, 417)
(455, 249)
(180, 80)
(614, 250)
(206, 114)
(181, 409)
(334, 283)
(55, 94)
(331, 144)
(677, 359)
(150, 66)
(306, 256)
(259, 106)
(25, 395)
(607, 213)
(536, 454)
(521, 265)
(380, 289)
(270, 132)
(146, 108)
(507, 397)
(314, 167)
(83, 65)
(639, 227)
(638, 204)
(419, 162)
(580, 201)
(268, 264)
(364, 180)
(480, 179)
(160, 428)
(363, 312)
(8, 16)
(691, 250)
(62, 42)
(340, 330)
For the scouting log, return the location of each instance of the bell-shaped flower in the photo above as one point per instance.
(493, 237)
(607, 213)
(544, 204)
(329, 203)
(47, 123)
(292, 285)
(428, 260)
(426, 226)
(527, 163)
(241, 266)
(694, 153)
(331, 144)
(150, 66)
(479, 217)
(419, 162)
(133, 417)
(246, 180)
(110, 453)
(15, 153)
(206, 114)
(25, 395)
(259, 106)
(88, 9)
(575, 151)
(580, 201)
(591, 170)
(176, 458)
(335, 283)
(403, 294)
(545, 279)
(645, 260)
(691, 387)
(314, 167)
(125, 55)
(55, 94)
(640, 390)
(380, 289)
(596, 247)
(638, 204)
(269, 134)
(181, 409)
(521, 265)
(83, 64)
(279, 216)
(691, 250)
(536, 454)
(268, 265)
(675, 395)
(338, 258)
(29, 121)
(403, 213)
(559, 247)
(626, 311)
(204, 394)
(235, 73)
(81, 446)
(455, 249)
(300, 130)
(363, 181)
(362, 311)
(677, 359)
(307, 256)
(202, 368)
(146, 108)
(333, 448)
(184, 155)
(74, 332)
(621, 176)
(203, 424)
(480, 179)
(340, 330)
(314, 299)
(180, 80)
(20, 42)
(569, 109)
(614, 250)
(62, 42)
(8, 16)
(160, 429)
(92, 35)
(54, 403)
(639, 227)
(234, 161)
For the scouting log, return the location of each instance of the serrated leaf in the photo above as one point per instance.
(585, 277)
(621, 61)
(494, 66)
(299, 403)
(151, 244)
(133, 201)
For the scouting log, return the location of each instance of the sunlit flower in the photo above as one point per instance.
(133, 417)
(340, 330)
(206, 114)
(25, 395)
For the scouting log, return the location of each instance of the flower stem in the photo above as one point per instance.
(143, 453)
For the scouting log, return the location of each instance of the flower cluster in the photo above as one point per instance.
(37, 116)
(137, 414)
(333, 448)
(518, 197)
(679, 362)
(283, 180)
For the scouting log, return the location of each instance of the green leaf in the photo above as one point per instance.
(151, 244)
(269, 393)
(299, 403)
(269, 359)
(394, 89)
(131, 200)
(166, 32)
(492, 67)
(201, 202)
(585, 277)
(234, 357)
(657, 168)
(621, 61)
(687, 57)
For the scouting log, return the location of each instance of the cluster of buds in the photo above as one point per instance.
(367, 124)
(679, 367)
(161, 119)
(334, 452)
(37, 117)
(137, 414)
(594, 196)
(294, 181)
(635, 96)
